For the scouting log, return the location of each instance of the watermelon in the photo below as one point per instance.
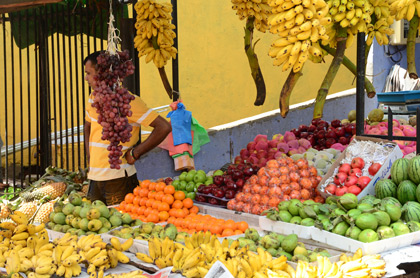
(411, 211)
(391, 200)
(406, 191)
(418, 193)
(399, 170)
(414, 169)
(385, 188)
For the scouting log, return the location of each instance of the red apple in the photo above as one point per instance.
(374, 168)
(357, 162)
(336, 123)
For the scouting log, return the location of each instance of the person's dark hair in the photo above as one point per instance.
(92, 58)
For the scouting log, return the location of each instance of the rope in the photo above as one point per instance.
(113, 33)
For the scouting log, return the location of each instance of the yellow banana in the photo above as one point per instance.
(122, 258)
(116, 243)
(126, 245)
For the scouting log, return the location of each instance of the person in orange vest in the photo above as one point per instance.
(111, 185)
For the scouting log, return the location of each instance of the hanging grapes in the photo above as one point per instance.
(111, 100)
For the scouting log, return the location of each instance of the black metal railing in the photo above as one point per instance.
(44, 94)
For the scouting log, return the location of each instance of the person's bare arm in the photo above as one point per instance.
(161, 129)
(86, 139)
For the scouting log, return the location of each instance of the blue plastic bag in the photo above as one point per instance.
(181, 125)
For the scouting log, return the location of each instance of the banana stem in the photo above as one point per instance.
(411, 47)
(370, 90)
(331, 73)
(165, 81)
(253, 62)
(286, 91)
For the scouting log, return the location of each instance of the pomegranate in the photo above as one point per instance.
(344, 168)
(355, 172)
(374, 168)
(350, 181)
(357, 162)
(363, 181)
(340, 191)
(331, 188)
(340, 178)
(354, 189)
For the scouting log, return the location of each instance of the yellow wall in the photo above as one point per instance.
(214, 74)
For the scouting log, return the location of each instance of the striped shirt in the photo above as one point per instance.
(99, 168)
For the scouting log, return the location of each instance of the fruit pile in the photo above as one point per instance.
(360, 164)
(323, 135)
(147, 230)
(321, 160)
(367, 220)
(204, 222)
(27, 248)
(225, 184)
(350, 177)
(260, 150)
(190, 181)
(79, 217)
(157, 202)
(280, 245)
(404, 181)
(198, 256)
(282, 179)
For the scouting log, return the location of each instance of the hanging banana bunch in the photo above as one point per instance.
(299, 24)
(256, 13)
(155, 35)
(409, 10)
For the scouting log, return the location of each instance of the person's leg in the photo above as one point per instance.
(95, 191)
(116, 190)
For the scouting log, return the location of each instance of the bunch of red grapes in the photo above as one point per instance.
(112, 102)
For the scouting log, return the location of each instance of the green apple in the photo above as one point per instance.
(190, 187)
(190, 175)
(191, 195)
(209, 179)
(200, 177)
(183, 176)
(182, 185)
(175, 183)
(218, 173)
(207, 182)
(201, 172)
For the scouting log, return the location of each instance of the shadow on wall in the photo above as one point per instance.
(227, 140)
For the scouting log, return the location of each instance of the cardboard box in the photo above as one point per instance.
(384, 171)
(351, 245)
(285, 228)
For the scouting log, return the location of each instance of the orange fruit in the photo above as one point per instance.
(227, 232)
(136, 191)
(163, 215)
(129, 198)
(171, 219)
(177, 204)
(238, 232)
(188, 203)
(129, 207)
(136, 200)
(155, 204)
(149, 202)
(143, 192)
(194, 210)
(152, 186)
(230, 225)
(216, 229)
(160, 186)
(242, 225)
(143, 201)
(186, 211)
(163, 206)
(169, 189)
(145, 184)
(122, 205)
(167, 198)
(151, 194)
(179, 195)
(159, 195)
(199, 226)
(140, 210)
(152, 218)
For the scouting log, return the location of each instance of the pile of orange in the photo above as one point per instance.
(199, 222)
(157, 202)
